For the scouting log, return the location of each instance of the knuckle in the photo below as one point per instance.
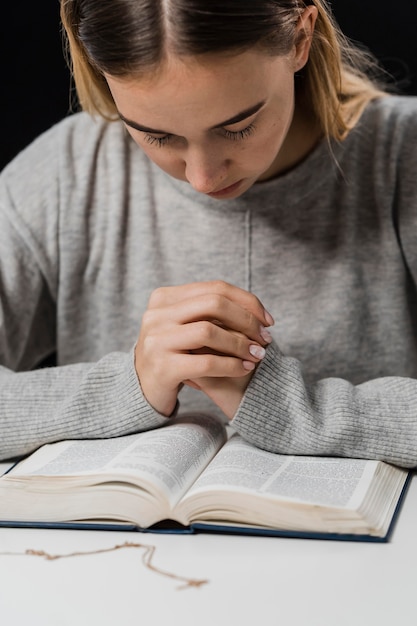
(214, 302)
(249, 322)
(150, 345)
(220, 287)
(157, 297)
(148, 319)
(206, 364)
(205, 332)
(217, 301)
(241, 344)
(256, 301)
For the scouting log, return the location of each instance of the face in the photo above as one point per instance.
(221, 124)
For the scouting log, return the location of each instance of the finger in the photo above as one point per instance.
(165, 296)
(195, 366)
(203, 337)
(213, 308)
(226, 393)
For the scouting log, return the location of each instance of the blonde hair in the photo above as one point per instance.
(129, 37)
(340, 79)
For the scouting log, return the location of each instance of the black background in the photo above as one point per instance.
(35, 82)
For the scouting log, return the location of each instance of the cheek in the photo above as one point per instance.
(268, 145)
(277, 132)
(165, 160)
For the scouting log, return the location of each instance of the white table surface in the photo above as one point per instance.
(254, 581)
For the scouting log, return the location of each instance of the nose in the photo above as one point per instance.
(205, 170)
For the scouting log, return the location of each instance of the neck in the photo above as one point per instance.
(302, 137)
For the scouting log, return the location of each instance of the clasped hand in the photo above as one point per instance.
(208, 335)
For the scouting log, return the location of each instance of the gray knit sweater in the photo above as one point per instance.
(89, 227)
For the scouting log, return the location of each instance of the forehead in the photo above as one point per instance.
(211, 85)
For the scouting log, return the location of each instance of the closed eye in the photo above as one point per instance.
(235, 135)
(160, 138)
(157, 141)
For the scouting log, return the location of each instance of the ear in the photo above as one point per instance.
(303, 36)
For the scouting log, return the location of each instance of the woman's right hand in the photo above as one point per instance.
(199, 330)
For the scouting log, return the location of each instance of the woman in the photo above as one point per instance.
(229, 224)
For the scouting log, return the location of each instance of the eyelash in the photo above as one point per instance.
(229, 134)
(159, 141)
(240, 134)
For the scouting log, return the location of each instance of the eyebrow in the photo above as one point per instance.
(232, 120)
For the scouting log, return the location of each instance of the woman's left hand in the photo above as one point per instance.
(227, 393)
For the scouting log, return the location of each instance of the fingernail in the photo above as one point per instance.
(248, 365)
(269, 318)
(265, 334)
(257, 351)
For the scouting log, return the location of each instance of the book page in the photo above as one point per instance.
(333, 482)
(168, 458)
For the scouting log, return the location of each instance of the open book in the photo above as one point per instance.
(190, 476)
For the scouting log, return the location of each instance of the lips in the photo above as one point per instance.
(225, 191)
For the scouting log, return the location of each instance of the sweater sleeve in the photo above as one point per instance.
(281, 413)
(37, 406)
(80, 401)
(284, 412)
(41, 405)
